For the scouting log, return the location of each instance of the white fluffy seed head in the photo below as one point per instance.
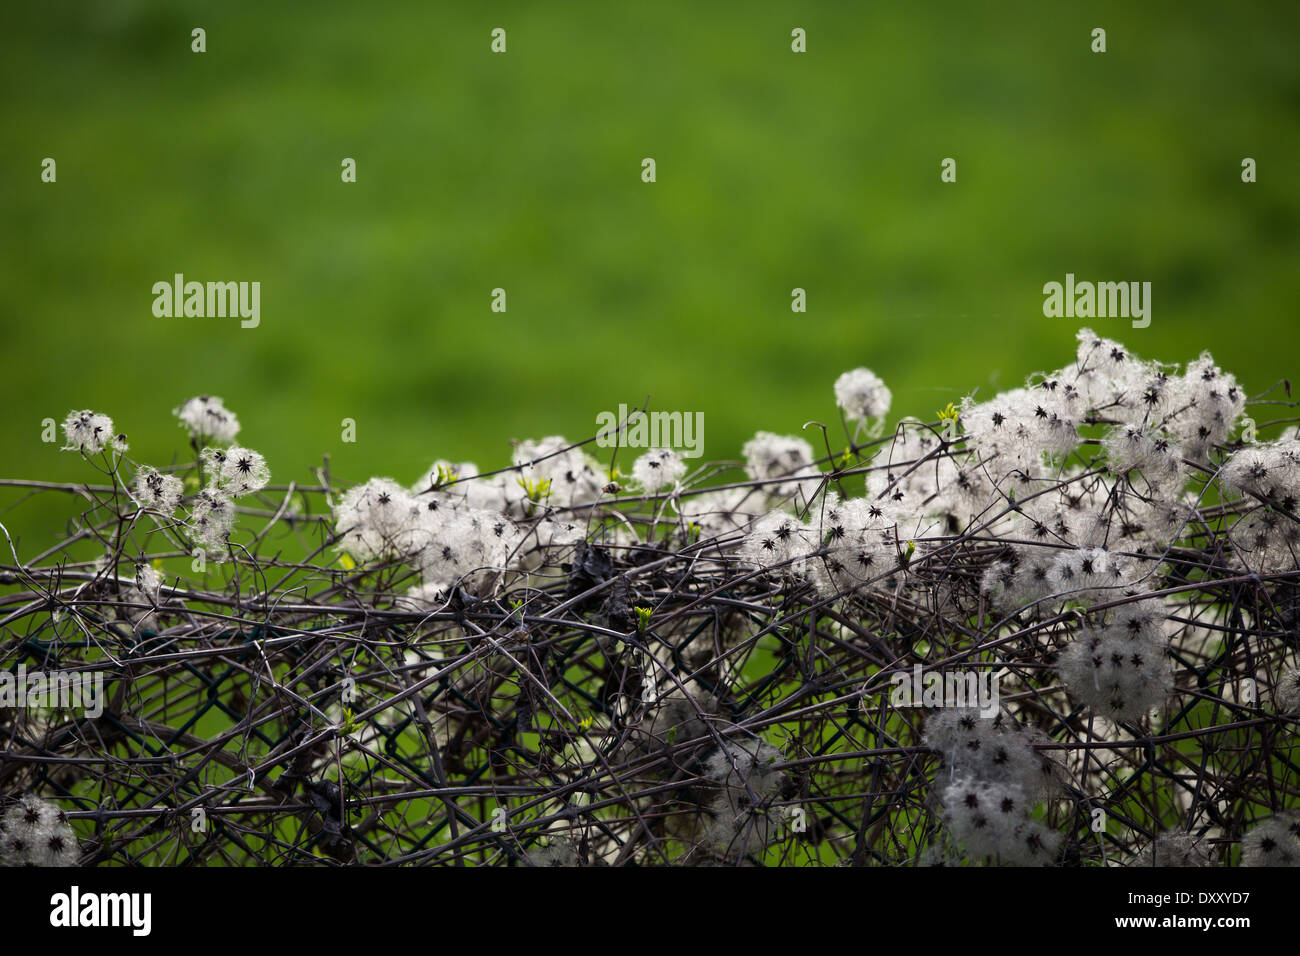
(1286, 695)
(379, 519)
(157, 491)
(743, 779)
(1157, 456)
(206, 418)
(574, 477)
(211, 519)
(862, 395)
(779, 542)
(1274, 842)
(990, 818)
(36, 833)
(1173, 849)
(1120, 671)
(149, 582)
(1269, 472)
(770, 456)
(859, 541)
(1091, 575)
(657, 469)
(91, 433)
(465, 546)
(986, 749)
(1014, 430)
(241, 471)
(721, 512)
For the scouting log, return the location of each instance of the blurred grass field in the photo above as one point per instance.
(522, 171)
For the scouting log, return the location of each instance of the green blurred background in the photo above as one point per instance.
(522, 171)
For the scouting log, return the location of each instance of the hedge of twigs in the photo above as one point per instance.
(565, 663)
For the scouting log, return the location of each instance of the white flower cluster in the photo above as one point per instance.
(90, 433)
(996, 778)
(35, 832)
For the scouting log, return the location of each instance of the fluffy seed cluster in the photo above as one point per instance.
(1121, 670)
(769, 456)
(148, 581)
(744, 780)
(1087, 532)
(91, 432)
(458, 529)
(207, 419)
(559, 853)
(572, 478)
(210, 521)
(989, 818)
(1091, 575)
(1267, 537)
(722, 513)
(231, 473)
(378, 520)
(158, 491)
(35, 832)
(1174, 849)
(779, 542)
(235, 471)
(995, 779)
(657, 469)
(1274, 842)
(862, 395)
(859, 544)
(1286, 695)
